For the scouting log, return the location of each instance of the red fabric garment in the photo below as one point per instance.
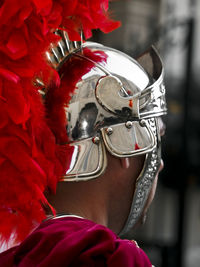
(71, 241)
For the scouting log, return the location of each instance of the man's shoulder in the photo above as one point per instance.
(74, 241)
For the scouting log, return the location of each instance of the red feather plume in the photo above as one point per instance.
(30, 160)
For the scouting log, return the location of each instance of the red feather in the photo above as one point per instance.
(30, 160)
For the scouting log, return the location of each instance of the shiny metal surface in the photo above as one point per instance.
(58, 53)
(139, 139)
(143, 185)
(110, 94)
(103, 98)
(88, 159)
(152, 101)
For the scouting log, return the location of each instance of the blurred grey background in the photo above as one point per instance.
(171, 235)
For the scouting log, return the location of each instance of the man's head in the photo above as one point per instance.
(106, 110)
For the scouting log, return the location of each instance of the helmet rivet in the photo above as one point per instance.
(142, 123)
(128, 124)
(96, 140)
(109, 131)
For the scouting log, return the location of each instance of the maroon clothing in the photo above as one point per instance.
(71, 241)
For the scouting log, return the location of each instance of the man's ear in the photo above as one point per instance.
(125, 163)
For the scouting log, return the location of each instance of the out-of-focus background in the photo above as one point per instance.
(171, 235)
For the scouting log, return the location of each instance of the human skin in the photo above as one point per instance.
(105, 200)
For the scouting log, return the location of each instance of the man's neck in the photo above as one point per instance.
(80, 199)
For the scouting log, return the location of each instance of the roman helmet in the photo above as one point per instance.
(107, 101)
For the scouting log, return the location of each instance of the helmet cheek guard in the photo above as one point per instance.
(88, 160)
(138, 135)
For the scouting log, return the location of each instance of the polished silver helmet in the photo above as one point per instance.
(114, 106)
